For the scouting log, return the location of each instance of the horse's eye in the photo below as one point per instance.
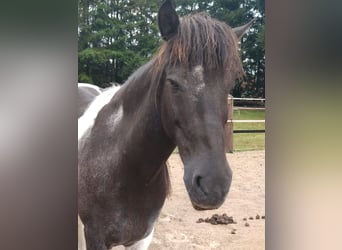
(175, 85)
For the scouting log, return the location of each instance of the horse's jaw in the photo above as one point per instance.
(202, 208)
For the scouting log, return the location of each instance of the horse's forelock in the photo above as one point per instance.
(203, 41)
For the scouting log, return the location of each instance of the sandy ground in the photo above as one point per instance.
(176, 227)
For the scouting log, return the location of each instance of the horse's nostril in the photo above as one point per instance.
(199, 184)
(198, 180)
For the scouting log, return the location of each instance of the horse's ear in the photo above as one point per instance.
(241, 30)
(168, 20)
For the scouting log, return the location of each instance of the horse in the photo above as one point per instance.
(86, 94)
(127, 134)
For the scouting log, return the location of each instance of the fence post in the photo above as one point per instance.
(229, 126)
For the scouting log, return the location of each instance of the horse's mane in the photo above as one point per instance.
(202, 40)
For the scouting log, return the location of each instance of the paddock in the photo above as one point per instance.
(176, 227)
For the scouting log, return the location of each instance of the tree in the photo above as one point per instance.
(253, 52)
(115, 37)
(236, 13)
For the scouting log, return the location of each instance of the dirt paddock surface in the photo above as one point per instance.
(179, 226)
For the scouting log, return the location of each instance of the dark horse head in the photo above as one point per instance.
(200, 63)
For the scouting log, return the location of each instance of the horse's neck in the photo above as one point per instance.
(145, 132)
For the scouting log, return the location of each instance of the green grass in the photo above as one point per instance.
(249, 141)
(249, 115)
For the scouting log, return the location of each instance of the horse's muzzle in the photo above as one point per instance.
(208, 192)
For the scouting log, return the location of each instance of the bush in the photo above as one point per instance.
(84, 78)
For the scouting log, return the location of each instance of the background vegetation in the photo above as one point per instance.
(115, 37)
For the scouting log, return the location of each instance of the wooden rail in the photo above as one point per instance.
(247, 108)
(248, 99)
(244, 131)
(246, 121)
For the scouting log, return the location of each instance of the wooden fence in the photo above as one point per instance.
(229, 128)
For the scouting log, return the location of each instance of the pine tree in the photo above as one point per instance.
(115, 37)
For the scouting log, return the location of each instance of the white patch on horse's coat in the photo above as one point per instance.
(87, 120)
(198, 73)
(116, 117)
(91, 86)
(81, 237)
(142, 244)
